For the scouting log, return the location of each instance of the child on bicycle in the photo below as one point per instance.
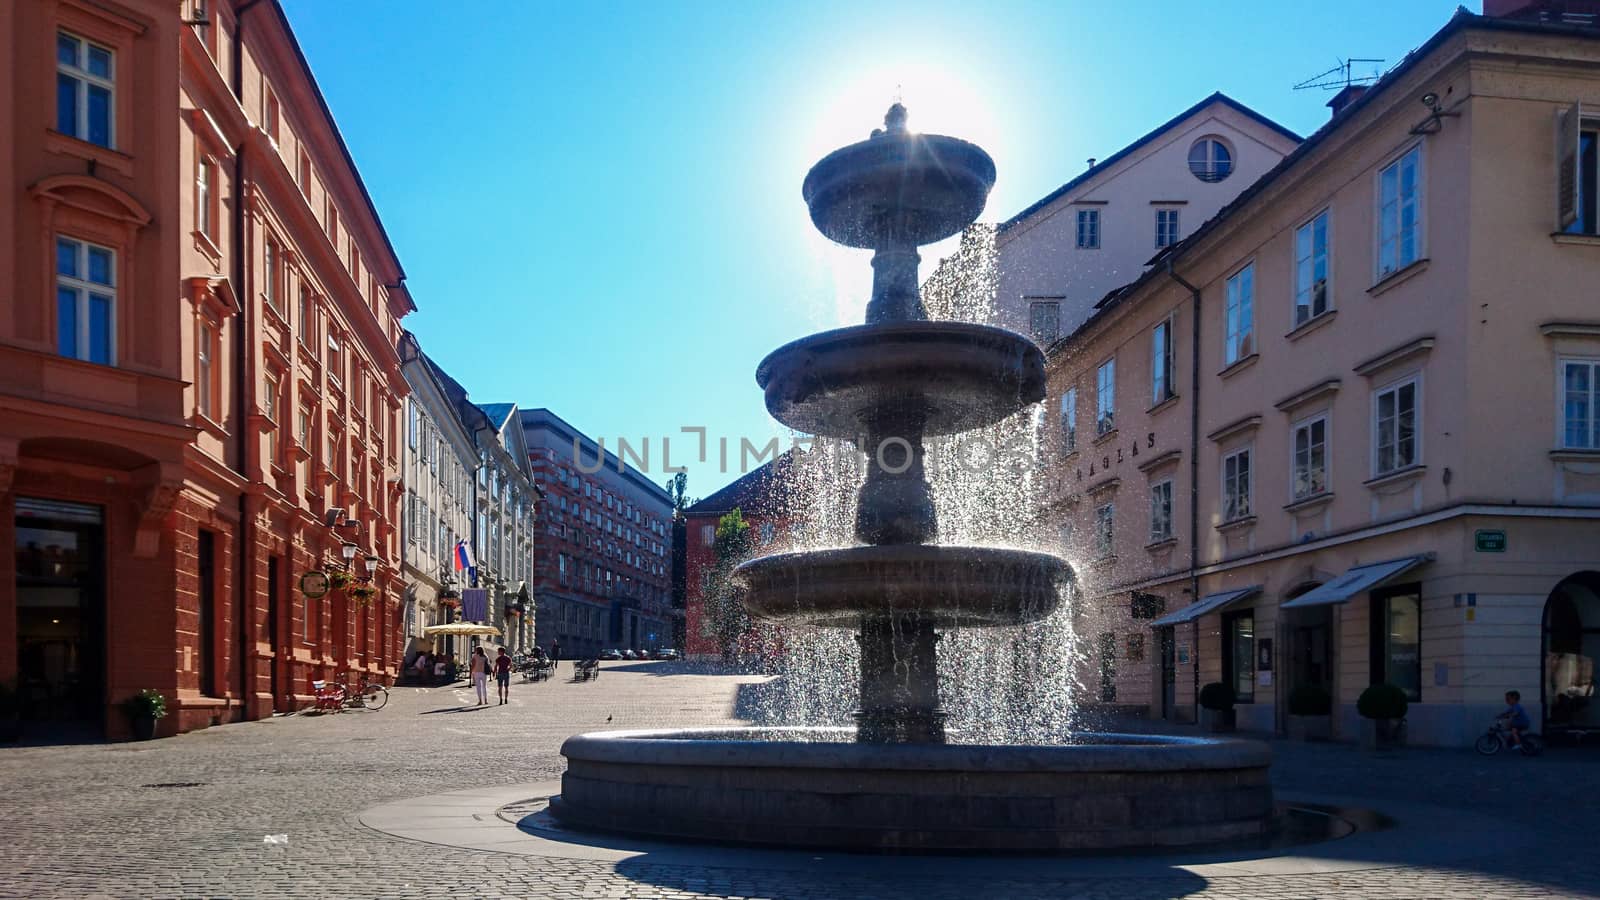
(1516, 718)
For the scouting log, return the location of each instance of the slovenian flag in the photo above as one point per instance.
(463, 556)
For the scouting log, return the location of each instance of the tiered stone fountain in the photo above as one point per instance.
(895, 782)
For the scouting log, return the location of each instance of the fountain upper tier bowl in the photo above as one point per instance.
(953, 376)
(945, 586)
(898, 188)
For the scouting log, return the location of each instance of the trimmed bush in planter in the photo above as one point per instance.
(1217, 700)
(1383, 707)
(145, 708)
(1309, 706)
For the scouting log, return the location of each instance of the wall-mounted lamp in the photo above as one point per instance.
(1436, 115)
(348, 551)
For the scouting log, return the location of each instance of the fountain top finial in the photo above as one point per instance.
(894, 121)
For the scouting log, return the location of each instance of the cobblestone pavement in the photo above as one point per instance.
(96, 820)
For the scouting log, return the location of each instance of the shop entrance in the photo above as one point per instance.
(1571, 644)
(1169, 673)
(61, 610)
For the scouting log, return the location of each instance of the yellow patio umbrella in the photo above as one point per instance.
(460, 628)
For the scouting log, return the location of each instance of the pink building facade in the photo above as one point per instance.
(1344, 433)
(199, 391)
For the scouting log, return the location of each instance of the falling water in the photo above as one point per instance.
(997, 685)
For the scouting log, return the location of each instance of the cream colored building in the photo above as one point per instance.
(1378, 458)
(1059, 256)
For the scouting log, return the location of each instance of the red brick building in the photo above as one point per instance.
(761, 496)
(199, 391)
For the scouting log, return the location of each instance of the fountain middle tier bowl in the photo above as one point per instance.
(898, 188)
(946, 586)
(931, 377)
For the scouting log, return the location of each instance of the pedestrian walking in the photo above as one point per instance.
(555, 655)
(480, 675)
(502, 675)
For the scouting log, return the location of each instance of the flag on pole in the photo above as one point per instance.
(463, 556)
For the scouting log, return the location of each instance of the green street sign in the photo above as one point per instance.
(1489, 540)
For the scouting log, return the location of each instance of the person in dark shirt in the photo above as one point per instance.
(1516, 718)
(502, 675)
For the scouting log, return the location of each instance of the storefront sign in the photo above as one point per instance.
(1489, 540)
(314, 584)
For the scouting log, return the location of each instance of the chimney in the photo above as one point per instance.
(1350, 94)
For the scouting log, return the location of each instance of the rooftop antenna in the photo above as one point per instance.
(1341, 76)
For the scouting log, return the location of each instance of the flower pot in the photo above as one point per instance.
(1380, 735)
(1220, 721)
(144, 727)
(1310, 728)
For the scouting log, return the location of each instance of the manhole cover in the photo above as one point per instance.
(174, 784)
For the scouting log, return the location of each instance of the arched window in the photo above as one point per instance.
(1210, 160)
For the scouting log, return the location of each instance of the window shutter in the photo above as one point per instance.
(1567, 166)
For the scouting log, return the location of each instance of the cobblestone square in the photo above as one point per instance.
(191, 815)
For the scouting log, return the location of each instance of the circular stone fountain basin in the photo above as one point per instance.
(898, 187)
(958, 376)
(810, 787)
(966, 586)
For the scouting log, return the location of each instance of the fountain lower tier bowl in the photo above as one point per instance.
(898, 188)
(807, 787)
(947, 376)
(944, 586)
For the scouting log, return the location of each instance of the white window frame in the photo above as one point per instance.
(1239, 314)
(1593, 364)
(1038, 305)
(1087, 236)
(1306, 424)
(84, 79)
(1105, 397)
(82, 288)
(1308, 227)
(1235, 490)
(1209, 174)
(1415, 379)
(1105, 530)
(1069, 421)
(1168, 226)
(1163, 381)
(205, 190)
(1161, 511)
(1417, 201)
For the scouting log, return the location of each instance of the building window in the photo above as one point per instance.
(1166, 227)
(1395, 427)
(307, 331)
(205, 374)
(1069, 421)
(413, 420)
(1044, 320)
(205, 193)
(86, 301)
(1105, 530)
(1236, 479)
(335, 368)
(270, 116)
(85, 86)
(1310, 463)
(1210, 160)
(269, 396)
(1239, 656)
(331, 217)
(1108, 667)
(1241, 315)
(303, 173)
(303, 428)
(274, 277)
(1311, 269)
(708, 535)
(1580, 426)
(1161, 362)
(1088, 229)
(1105, 401)
(1578, 174)
(1397, 639)
(1161, 512)
(1400, 212)
(769, 531)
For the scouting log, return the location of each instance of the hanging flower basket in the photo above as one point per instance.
(362, 593)
(449, 602)
(339, 580)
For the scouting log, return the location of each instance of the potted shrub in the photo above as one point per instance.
(1383, 712)
(10, 713)
(361, 594)
(1309, 709)
(1217, 700)
(339, 579)
(144, 708)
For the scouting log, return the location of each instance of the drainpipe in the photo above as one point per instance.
(242, 386)
(1194, 468)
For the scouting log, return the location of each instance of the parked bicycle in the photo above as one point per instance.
(364, 694)
(1499, 736)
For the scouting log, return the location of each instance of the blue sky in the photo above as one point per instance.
(599, 209)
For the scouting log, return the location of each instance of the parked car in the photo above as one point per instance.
(613, 653)
(667, 653)
(629, 654)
